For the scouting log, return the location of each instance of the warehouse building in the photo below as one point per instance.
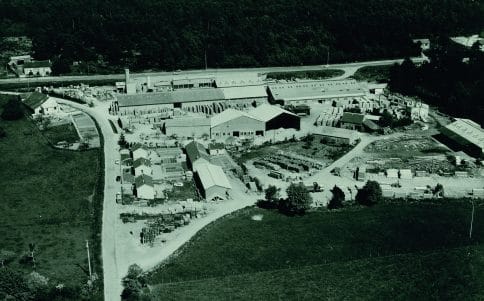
(236, 124)
(187, 127)
(196, 154)
(212, 182)
(245, 96)
(465, 134)
(275, 118)
(301, 92)
(327, 134)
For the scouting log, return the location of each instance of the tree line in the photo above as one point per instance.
(453, 80)
(152, 34)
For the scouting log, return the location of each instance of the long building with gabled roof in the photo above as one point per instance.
(465, 134)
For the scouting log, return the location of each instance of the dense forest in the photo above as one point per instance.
(172, 34)
(452, 81)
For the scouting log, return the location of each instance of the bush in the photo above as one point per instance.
(369, 194)
(338, 198)
(298, 200)
(12, 110)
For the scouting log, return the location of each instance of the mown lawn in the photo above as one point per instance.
(65, 132)
(367, 253)
(379, 74)
(45, 200)
(310, 74)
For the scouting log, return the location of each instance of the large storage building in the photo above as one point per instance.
(467, 135)
(276, 118)
(304, 91)
(213, 182)
(336, 135)
(246, 96)
(237, 124)
(187, 127)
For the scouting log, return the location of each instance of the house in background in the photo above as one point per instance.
(40, 104)
(37, 68)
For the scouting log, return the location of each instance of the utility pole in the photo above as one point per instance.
(88, 259)
(205, 58)
(472, 221)
(327, 58)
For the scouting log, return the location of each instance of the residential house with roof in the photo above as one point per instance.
(140, 151)
(38, 68)
(142, 166)
(40, 104)
(196, 155)
(212, 182)
(145, 188)
(275, 117)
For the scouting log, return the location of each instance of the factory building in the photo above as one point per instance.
(246, 96)
(301, 92)
(465, 134)
(237, 124)
(187, 127)
(212, 182)
(275, 118)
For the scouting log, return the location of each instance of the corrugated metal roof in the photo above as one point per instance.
(184, 95)
(212, 175)
(228, 115)
(187, 122)
(316, 89)
(266, 112)
(335, 132)
(196, 151)
(245, 92)
(469, 130)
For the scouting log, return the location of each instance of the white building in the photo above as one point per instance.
(466, 134)
(41, 104)
(140, 151)
(144, 187)
(142, 166)
(37, 68)
(237, 124)
(214, 184)
(196, 155)
(275, 118)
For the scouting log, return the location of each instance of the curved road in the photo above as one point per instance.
(112, 284)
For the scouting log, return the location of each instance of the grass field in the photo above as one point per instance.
(47, 199)
(379, 74)
(310, 74)
(407, 251)
(59, 133)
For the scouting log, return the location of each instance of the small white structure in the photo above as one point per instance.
(140, 151)
(144, 187)
(37, 68)
(406, 174)
(214, 182)
(41, 104)
(142, 166)
(392, 173)
(424, 43)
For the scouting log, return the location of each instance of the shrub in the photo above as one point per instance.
(12, 110)
(369, 194)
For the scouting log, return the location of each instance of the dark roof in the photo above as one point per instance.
(141, 161)
(370, 124)
(35, 100)
(196, 151)
(143, 180)
(184, 95)
(37, 64)
(353, 118)
(138, 146)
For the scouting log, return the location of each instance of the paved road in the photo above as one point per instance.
(112, 284)
(349, 69)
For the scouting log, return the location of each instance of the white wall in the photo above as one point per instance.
(244, 125)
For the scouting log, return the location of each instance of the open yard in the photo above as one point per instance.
(407, 251)
(47, 198)
(60, 133)
(323, 153)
